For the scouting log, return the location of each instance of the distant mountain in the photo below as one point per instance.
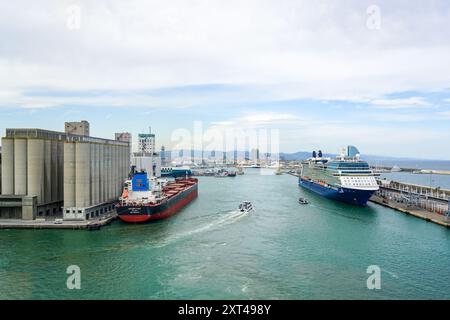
(301, 155)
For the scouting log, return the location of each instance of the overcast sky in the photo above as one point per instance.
(324, 73)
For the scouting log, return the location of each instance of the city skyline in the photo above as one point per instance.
(375, 77)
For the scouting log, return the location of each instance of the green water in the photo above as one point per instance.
(210, 251)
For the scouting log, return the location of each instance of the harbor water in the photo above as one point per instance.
(282, 250)
(425, 179)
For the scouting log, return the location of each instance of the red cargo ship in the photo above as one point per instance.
(144, 200)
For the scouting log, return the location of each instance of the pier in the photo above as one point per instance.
(430, 204)
(427, 203)
(383, 169)
(93, 224)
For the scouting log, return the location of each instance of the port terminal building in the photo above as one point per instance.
(63, 174)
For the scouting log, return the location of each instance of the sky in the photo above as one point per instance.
(322, 74)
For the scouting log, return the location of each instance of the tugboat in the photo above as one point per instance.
(145, 199)
(222, 173)
(303, 201)
(245, 206)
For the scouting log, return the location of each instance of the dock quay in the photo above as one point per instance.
(430, 204)
(93, 224)
(442, 220)
(382, 169)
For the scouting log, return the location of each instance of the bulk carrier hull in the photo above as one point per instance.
(166, 208)
(351, 196)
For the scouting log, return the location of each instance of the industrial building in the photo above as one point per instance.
(123, 136)
(68, 174)
(146, 143)
(78, 128)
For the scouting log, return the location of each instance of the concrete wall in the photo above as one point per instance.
(20, 166)
(98, 172)
(36, 170)
(7, 166)
(35, 173)
(69, 174)
(82, 174)
(50, 167)
(30, 170)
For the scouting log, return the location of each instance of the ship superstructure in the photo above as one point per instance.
(145, 199)
(346, 178)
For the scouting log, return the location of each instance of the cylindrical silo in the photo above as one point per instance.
(47, 171)
(82, 174)
(54, 171)
(115, 177)
(119, 175)
(35, 170)
(20, 166)
(95, 173)
(69, 174)
(124, 162)
(121, 165)
(60, 165)
(111, 172)
(7, 166)
(109, 181)
(101, 173)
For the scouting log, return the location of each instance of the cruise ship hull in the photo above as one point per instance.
(165, 209)
(352, 196)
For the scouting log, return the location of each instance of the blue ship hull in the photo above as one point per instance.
(352, 196)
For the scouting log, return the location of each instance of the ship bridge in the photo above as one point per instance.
(350, 167)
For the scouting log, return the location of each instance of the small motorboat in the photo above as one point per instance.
(303, 201)
(245, 206)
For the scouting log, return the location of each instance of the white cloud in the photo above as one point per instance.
(407, 103)
(445, 114)
(258, 119)
(297, 49)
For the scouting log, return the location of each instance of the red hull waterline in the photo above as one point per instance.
(170, 211)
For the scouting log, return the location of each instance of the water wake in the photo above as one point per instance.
(223, 219)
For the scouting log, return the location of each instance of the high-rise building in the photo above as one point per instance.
(146, 159)
(163, 155)
(168, 158)
(146, 143)
(255, 156)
